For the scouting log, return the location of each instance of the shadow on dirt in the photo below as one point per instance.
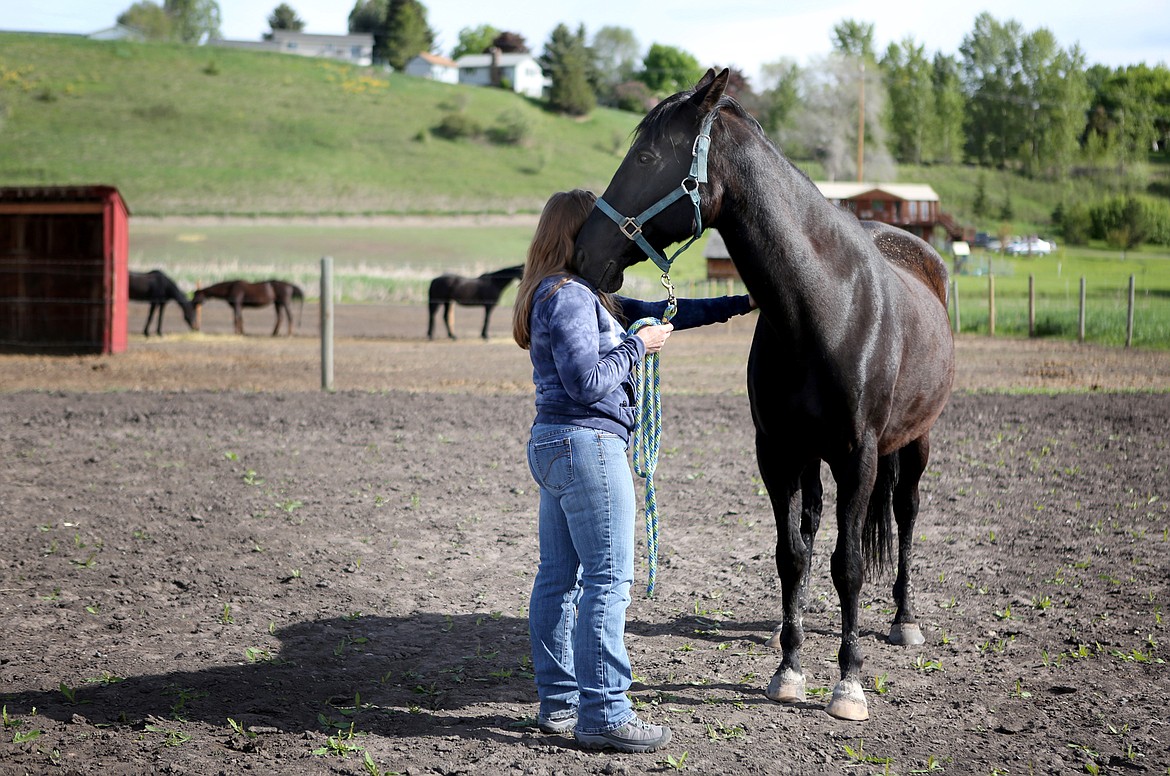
(387, 675)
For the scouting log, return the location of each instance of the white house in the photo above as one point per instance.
(434, 67)
(356, 49)
(519, 71)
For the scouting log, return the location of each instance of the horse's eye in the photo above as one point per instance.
(645, 157)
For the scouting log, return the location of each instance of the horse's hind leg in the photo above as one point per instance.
(149, 318)
(912, 463)
(781, 476)
(449, 318)
(276, 330)
(487, 316)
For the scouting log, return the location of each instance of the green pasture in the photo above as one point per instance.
(1057, 280)
(386, 263)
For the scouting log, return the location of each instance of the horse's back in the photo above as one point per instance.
(911, 253)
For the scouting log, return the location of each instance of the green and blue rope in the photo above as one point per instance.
(648, 430)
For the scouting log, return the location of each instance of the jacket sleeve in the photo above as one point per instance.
(691, 312)
(574, 335)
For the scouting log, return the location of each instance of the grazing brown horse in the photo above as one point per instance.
(483, 291)
(852, 360)
(242, 293)
(158, 289)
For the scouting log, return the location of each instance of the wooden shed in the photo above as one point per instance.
(63, 269)
(719, 264)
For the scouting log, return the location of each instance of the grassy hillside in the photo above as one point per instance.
(187, 130)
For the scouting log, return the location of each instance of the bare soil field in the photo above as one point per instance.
(212, 566)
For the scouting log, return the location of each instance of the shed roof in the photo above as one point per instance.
(920, 192)
(435, 59)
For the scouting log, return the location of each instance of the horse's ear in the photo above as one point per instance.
(709, 89)
(706, 80)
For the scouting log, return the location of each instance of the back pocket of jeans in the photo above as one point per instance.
(552, 463)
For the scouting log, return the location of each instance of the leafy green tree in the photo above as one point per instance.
(1130, 114)
(283, 17)
(779, 96)
(990, 55)
(369, 16)
(474, 40)
(854, 39)
(568, 62)
(148, 18)
(949, 110)
(666, 70)
(910, 115)
(616, 52)
(407, 32)
(193, 20)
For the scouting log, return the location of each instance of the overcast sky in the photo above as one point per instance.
(742, 33)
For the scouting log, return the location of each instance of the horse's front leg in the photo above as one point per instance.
(276, 330)
(487, 316)
(162, 308)
(904, 631)
(781, 475)
(855, 476)
(238, 319)
(149, 318)
(449, 318)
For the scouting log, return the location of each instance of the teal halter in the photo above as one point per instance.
(631, 226)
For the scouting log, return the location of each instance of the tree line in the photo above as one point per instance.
(1009, 99)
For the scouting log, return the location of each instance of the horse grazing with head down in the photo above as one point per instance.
(852, 359)
(158, 289)
(483, 291)
(241, 293)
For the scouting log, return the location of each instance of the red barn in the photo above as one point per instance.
(63, 269)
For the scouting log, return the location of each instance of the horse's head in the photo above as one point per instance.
(658, 164)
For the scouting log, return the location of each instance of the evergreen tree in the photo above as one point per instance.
(370, 16)
(407, 32)
(283, 17)
(568, 62)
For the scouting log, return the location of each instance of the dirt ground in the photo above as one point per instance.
(212, 566)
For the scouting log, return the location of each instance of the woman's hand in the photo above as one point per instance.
(654, 337)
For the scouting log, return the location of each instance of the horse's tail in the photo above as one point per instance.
(878, 530)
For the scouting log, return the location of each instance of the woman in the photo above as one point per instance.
(582, 361)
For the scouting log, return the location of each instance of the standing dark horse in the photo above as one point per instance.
(852, 359)
(483, 291)
(240, 294)
(158, 289)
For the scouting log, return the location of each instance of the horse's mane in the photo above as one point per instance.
(654, 124)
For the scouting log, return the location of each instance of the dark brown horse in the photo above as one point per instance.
(483, 291)
(852, 360)
(241, 293)
(158, 289)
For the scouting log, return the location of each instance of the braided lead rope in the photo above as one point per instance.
(648, 430)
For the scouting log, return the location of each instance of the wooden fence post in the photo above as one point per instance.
(327, 323)
(955, 297)
(991, 305)
(1081, 314)
(1031, 305)
(1129, 316)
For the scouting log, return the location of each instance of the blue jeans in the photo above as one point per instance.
(577, 613)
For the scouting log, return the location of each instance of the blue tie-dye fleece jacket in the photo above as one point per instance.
(582, 358)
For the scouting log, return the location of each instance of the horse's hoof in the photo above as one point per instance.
(774, 640)
(786, 686)
(906, 634)
(848, 702)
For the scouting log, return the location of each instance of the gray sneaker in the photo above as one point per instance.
(559, 725)
(635, 737)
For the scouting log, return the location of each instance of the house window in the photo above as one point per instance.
(879, 206)
(355, 52)
(912, 210)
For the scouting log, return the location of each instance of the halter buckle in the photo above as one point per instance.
(694, 184)
(695, 145)
(630, 228)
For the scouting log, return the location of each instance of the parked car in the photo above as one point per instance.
(1033, 246)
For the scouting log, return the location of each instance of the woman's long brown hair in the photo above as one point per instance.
(551, 253)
